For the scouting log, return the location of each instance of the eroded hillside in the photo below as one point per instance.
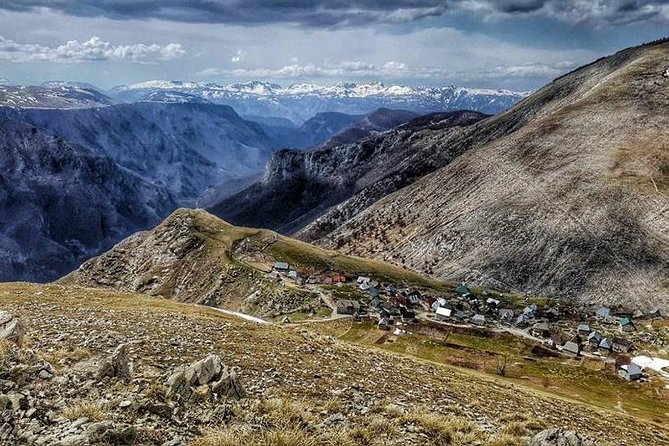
(572, 203)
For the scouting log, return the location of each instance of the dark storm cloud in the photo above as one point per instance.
(324, 13)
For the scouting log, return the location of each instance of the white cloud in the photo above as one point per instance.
(388, 70)
(94, 49)
(238, 57)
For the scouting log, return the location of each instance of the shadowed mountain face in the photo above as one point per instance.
(60, 204)
(299, 186)
(574, 202)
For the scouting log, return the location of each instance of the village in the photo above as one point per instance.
(620, 339)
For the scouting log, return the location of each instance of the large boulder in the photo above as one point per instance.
(558, 437)
(11, 328)
(209, 371)
(117, 365)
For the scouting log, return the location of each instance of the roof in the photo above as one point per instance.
(479, 317)
(626, 321)
(348, 303)
(571, 347)
(363, 279)
(281, 265)
(602, 311)
(594, 335)
(584, 327)
(605, 343)
(441, 311)
(621, 341)
(541, 326)
(631, 368)
(462, 289)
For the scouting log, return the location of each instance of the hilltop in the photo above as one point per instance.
(195, 257)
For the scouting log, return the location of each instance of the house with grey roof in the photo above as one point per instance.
(594, 338)
(630, 372)
(571, 347)
(346, 306)
(541, 330)
(478, 319)
(602, 313)
(505, 314)
(605, 345)
(621, 345)
(281, 266)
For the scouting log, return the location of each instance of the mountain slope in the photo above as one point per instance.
(377, 121)
(300, 102)
(299, 186)
(302, 388)
(187, 147)
(53, 95)
(573, 203)
(195, 257)
(60, 204)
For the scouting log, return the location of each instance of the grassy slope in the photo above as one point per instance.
(317, 371)
(582, 380)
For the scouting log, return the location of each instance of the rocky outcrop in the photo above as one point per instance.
(11, 328)
(558, 437)
(210, 372)
(117, 365)
(298, 187)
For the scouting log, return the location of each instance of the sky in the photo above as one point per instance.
(512, 44)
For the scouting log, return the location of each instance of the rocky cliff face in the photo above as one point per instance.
(299, 186)
(571, 203)
(186, 147)
(60, 204)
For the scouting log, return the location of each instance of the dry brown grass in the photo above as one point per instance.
(283, 437)
(5, 353)
(93, 410)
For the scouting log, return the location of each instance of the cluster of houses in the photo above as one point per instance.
(283, 268)
(392, 304)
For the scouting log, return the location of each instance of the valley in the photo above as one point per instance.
(328, 259)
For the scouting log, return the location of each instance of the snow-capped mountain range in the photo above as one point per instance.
(53, 95)
(300, 102)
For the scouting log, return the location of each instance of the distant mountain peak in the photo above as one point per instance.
(301, 101)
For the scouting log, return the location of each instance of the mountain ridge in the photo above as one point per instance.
(584, 188)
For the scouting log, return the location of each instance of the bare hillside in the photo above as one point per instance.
(573, 203)
(195, 257)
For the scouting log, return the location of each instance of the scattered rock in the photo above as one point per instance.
(11, 328)
(558, 437)
(110, 433)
